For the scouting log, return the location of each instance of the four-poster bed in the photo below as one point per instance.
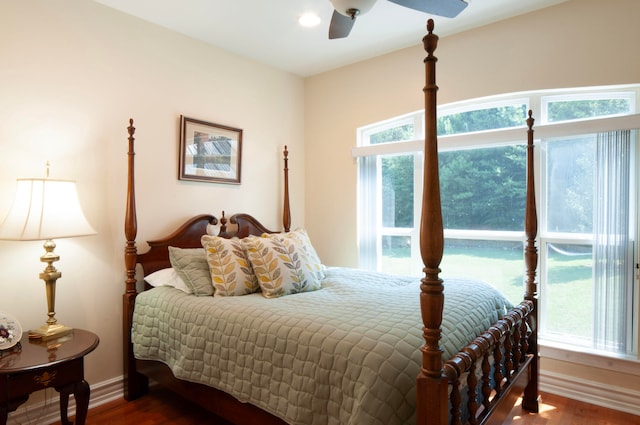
(478, 381)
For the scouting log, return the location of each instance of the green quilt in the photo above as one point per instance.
(345, 354)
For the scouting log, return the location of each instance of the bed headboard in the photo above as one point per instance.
(189, 234)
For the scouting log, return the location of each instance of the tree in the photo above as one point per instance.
(483, 189)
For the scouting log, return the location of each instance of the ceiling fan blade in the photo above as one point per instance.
(340, 25)
(446, 8)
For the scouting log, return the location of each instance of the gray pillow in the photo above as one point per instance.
(191, 265)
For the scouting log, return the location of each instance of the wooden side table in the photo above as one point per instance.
(36, 365)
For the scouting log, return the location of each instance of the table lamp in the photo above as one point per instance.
(46, 209)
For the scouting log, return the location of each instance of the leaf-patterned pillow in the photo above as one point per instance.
(231, 272)
(302, 239)
(281, 265)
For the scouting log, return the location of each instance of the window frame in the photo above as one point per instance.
(537, 100)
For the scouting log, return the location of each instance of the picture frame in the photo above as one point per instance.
(209, 152)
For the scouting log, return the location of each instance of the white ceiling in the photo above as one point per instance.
(268, 31)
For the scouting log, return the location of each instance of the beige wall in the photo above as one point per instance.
(577, 43)
(73, 73)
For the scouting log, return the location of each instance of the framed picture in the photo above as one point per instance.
(209, 152)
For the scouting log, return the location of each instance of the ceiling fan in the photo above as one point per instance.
(345, 11)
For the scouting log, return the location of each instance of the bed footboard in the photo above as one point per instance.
(491, 370)
(500, 364)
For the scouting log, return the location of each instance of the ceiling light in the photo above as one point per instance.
(309, 19)
(344, 7)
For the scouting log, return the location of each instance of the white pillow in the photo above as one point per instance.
(167, 277)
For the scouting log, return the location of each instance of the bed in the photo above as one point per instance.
(338, 345)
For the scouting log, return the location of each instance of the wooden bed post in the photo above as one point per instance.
(530, 398)
(286, 210)
(130, 220)
(134, 384)
(431, 391)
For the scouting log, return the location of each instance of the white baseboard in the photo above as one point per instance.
(48, 411)
(608, 396)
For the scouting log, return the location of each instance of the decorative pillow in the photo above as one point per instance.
(281, 265)
(191, 265)
(229, 267)
(167, 277)
(302, 238)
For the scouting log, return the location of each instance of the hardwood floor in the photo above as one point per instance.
(564, 411)
(162, 407)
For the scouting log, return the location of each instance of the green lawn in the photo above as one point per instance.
(568, 294)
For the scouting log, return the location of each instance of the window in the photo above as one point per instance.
(587, 191)
(586, 238)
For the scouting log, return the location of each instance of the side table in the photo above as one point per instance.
(35, 365)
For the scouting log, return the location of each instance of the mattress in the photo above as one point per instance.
(345, 354)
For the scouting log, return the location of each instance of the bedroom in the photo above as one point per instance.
(77, 71)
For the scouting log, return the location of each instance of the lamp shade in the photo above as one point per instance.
(45, 209)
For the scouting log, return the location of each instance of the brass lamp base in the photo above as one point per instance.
(47, 332)
(51, 329)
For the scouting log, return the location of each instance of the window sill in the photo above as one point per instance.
(616, 362)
